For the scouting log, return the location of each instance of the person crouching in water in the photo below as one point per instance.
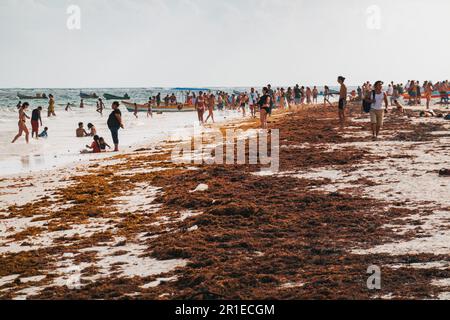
(377, 111)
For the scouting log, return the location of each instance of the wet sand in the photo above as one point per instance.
(132, 227)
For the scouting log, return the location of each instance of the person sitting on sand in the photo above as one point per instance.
(92, 130)
(103, 144)
(44, 134)
(399, 107)
(95, 146)
(427, 114)
(80, 132)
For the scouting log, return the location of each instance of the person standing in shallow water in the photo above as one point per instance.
(342, 101)
(115, 123)
(51, 106)
(22, 123)
(200, 105)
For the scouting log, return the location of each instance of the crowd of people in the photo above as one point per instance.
(375, 101)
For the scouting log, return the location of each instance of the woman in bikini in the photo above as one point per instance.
(200, 106)
(22, 123)
(428, 93)
(211, 104)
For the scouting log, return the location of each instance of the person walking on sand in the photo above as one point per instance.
(315, 94)
(211, 104)
(377, 111)
(200, 106)
(253, 99)
(326, 96)
(115, 123)
(428, 93)
(342, 101)
(51, 106)
(264, 107)
(35, 120)
(22, 123)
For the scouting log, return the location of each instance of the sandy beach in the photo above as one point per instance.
(138, 226)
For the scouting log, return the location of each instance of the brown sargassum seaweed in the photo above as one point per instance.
(257, 238)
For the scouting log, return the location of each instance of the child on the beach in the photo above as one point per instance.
(44, 134)
(103, 144)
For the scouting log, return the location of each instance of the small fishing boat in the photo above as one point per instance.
(36, 97)
(114, 97)
(88, 96)
(331, 92)
(434, 95)
(171, 108)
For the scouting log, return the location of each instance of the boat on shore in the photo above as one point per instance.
(108, 96)
(163, 109)
(88, 96)
(36, 97)
(434, 95)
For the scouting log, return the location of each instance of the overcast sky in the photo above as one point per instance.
(143, 43)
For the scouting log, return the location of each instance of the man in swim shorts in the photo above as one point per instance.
(342, 101)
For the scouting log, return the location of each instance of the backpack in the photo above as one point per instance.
(367, 106)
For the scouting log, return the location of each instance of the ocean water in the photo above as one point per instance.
(63, 148)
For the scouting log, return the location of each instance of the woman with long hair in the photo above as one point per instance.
(22, 123)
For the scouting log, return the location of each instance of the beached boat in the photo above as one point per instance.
(171, 108)
(434, 95)
(24, 97)
(88, 96)
(331, 92)
(113, 97)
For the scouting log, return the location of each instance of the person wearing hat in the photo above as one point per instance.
(115, 123)
(342, 101)
(377, 112)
